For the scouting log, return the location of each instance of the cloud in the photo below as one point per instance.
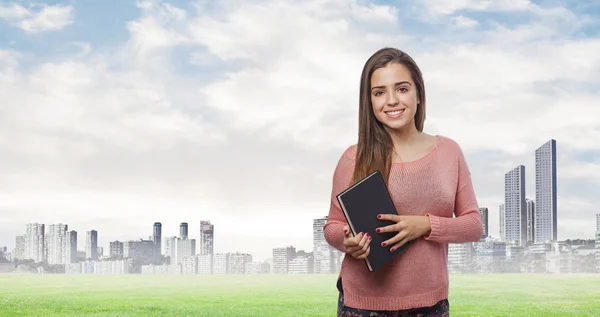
(238, 113)
(447, 7)
(38, 18)
(465, 22)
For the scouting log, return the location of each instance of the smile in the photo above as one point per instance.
(394, 113)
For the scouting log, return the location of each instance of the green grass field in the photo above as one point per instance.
(277, 295)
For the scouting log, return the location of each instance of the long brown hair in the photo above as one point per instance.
(374, 149)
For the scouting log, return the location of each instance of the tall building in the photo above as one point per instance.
(515, 207)
(282, 258)
(483, 211)
(502, 222)
(178, 248)
(19, 252)
(56, 243)
(35, 242)
(326, 257)
(116, 250)
(91, 245)
(207, 233)
(530, 220)
(545, 193)
(597, 223)
(70, 255)
(183, 230)
(157, 236)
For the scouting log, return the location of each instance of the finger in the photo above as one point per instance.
(394, 239)
(389, 217)
(391, 228)
(361, 250)
(362, 245)
(352, 243)
(400, 243)
(365, 254)
(346, 230)
(357, 243)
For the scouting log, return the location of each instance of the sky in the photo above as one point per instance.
(116, 114)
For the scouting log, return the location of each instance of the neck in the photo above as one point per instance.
(405, 137)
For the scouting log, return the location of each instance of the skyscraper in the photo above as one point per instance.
(207, 231)
(502, 222)
(530, 220)
(56, 242)
(91, 245)
(35, 234)
(545, 193)
(327, 258)
(183, 230)
(157, 236)
(597, 223)
(515, 206)
(483, 211)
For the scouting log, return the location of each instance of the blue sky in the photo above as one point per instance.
(117, 114)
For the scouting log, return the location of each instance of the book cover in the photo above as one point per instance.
(361, 203)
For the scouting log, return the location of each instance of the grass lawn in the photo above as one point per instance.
(277, 295)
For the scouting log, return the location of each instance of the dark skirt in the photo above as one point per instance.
(440, 309)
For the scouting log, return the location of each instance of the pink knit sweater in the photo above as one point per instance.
(438, 184)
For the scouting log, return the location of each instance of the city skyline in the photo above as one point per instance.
(117, 117)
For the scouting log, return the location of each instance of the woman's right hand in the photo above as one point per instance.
(358, 246)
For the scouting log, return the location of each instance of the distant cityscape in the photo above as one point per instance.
(54, 249)
(526, 243)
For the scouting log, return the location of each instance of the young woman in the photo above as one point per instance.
(430, 184)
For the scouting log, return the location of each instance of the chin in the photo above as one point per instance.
(397, 125)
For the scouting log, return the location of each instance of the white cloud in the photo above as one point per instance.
(121, 134)
(447, 7)
(465, 22)
(39, 18)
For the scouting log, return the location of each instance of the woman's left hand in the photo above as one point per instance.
(408, 228)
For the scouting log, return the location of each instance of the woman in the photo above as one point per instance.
(429, 181)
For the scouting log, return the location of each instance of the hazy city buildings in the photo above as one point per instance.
(56, 243)
(157, 236)
(530, 220)
(281, 259)
(545, 193)
(484, 213)
(326, 258)
(207, 232)
(91, 245)
(35, 242)
(183, 230)
(502, 223)
(515, 213)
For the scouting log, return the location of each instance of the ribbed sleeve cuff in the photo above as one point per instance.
(434, 234)
(334, 235)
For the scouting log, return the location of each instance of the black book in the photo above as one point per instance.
(361, 203)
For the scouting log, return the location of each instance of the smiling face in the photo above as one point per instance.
(394, 97)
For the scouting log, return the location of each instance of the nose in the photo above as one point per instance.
(393, 100)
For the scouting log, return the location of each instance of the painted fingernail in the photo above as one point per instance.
(378, 230)
(345, 231)
(378, 216)
(392, 250)
(383, 244)
(370, 238)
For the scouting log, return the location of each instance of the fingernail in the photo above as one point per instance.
(378, 216)
(392, 250)
(369, 237)
(345, 231)
(383, 244)
(378, 230)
